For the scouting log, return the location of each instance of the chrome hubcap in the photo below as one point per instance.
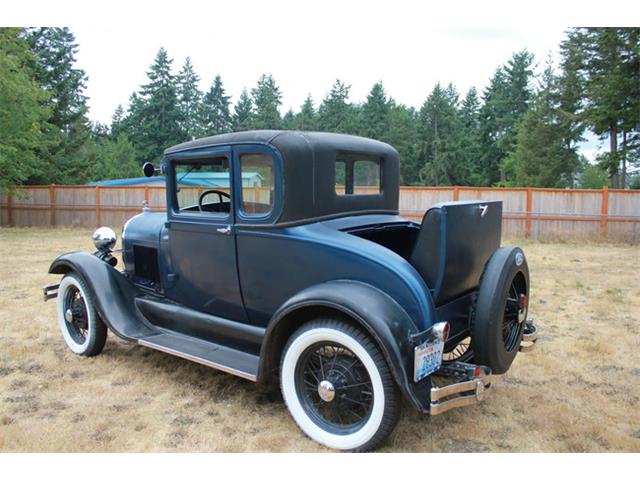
(326, 390)
(68, 315)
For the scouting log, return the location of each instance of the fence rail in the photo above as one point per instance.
(536, 213)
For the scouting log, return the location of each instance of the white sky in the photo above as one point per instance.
(307, 45)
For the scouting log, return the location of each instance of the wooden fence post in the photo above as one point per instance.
(52, 205)
(456, 194)
(604, 213)
(98, 221)
(10, 209)
(528, 218)
(146, 195)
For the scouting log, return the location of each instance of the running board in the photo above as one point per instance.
(212, 355)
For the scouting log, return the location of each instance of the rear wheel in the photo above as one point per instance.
(338, 386)
(82, 329)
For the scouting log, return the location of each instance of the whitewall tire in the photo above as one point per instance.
(82, 329)
(338, 386)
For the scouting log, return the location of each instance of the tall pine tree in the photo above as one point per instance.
(306, 118)
(243, 113)
(189, 101)
(375, 113)
(335, 113)
(56, 72)
(541, 157)
(439, 130)
(505, 102)
(154, 117)
(266, 100)
(607, 62)
(217, 117)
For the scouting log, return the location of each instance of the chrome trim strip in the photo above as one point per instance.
(201, 361)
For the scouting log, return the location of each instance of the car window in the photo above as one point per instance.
(257, 174)
(357, 175)
(203, 187)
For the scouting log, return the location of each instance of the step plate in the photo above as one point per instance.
(221, 358)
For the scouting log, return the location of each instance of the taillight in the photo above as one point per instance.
(441, 331)
(523, 302)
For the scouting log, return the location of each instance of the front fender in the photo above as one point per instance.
(372, 309)
(113, 294)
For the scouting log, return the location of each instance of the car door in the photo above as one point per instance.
(203, 273)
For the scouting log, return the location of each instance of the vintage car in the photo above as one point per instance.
(282, 258)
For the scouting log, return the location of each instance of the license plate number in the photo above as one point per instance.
(427, 359)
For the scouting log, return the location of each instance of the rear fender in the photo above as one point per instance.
(371, 309)
(113, 294)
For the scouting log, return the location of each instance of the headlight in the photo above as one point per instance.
(104, 239)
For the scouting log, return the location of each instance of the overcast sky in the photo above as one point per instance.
(304, 45)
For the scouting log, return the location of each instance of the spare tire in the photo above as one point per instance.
(501, 309)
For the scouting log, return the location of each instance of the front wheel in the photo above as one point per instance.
(338, 386)
(82, 329)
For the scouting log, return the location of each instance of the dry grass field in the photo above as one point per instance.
(579, 391)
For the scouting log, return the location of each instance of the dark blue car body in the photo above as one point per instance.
(244, 283)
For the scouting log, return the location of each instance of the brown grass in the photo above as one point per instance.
(578, 391)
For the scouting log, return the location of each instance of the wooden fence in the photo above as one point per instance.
(536, 213)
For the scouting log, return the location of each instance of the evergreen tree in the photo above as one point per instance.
(154, 117)
(22, 119)
(471, 136)
(115, 159)
(266, 100)
(505, 102)
(439, 130)
(335, 113)
(306, 118)
(402, 134)
(608, 63)
(117, 122)
(288, 121)
(189, 102)
(541, 157)
(375, 114)
(217, 117)
(55, 71)
(243, 113)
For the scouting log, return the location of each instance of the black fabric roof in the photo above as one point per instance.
(309, 170)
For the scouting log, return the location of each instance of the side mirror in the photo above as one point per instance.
(149, 170)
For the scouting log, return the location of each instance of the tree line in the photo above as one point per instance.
(523, 129)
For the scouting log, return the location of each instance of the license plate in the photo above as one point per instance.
(427, 358)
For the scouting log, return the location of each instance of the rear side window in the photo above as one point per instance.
(257, 184)
(357, 175)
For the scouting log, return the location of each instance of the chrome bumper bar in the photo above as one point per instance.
(529, 337)
(50, 291)
(467, 391)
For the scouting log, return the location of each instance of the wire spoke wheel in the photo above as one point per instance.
(76, 314)
(334, 387)
(82, 329)
(512, 323)
(462, 352)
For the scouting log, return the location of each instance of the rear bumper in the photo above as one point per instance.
(471, 385)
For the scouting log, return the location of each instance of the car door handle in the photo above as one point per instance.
(226, 230)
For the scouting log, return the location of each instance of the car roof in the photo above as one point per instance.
(308, 161)
(269, 137)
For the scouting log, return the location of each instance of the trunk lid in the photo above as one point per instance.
(455, 242)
